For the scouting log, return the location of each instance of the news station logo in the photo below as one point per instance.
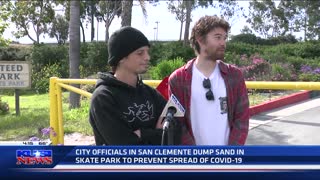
(34, 157)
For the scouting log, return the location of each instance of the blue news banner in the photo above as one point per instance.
(81, 158)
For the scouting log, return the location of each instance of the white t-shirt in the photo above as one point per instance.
(209, 118)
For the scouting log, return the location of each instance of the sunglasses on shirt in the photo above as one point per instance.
(207, 84)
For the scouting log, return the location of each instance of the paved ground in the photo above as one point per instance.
(77, 139)
(297, 124)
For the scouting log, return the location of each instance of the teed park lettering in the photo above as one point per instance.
(7, 76)
(11, 67)
(10, 71)
(15, 74)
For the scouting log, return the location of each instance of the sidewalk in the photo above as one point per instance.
(296, 124)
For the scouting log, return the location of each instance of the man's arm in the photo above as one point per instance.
(239, 131)
(176, 90)
(114, 129)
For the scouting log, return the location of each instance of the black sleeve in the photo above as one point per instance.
(108, 123)
(153, 135)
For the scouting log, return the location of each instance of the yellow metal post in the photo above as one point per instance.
(60, 132)
(53, 109)
(283, 85)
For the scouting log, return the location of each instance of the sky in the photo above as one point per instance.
(168, 26)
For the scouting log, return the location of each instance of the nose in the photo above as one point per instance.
(147, 56)
(223, 42)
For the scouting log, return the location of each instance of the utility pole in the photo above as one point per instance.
(157, 22)
(154, 33)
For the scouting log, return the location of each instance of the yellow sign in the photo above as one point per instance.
(15, 74)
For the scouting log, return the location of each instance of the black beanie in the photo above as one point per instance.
(123, 42)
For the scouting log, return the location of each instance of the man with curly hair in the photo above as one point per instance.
(213, 92)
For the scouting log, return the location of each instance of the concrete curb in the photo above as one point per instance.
(280, 102)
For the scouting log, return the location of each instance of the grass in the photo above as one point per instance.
(34, 115)
(256, 98)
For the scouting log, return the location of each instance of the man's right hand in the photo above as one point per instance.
(160, 123)
(138, 133)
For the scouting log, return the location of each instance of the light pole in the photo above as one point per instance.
(154, 33)
(157, 22)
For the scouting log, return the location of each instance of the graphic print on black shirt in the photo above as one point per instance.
(141, 112)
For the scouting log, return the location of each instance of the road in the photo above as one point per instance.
(297, 124)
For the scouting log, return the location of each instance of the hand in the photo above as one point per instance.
(138, 133)
(160, 123)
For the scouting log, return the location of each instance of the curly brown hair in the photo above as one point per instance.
(203, 26)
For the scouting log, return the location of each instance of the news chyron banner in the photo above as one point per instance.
(158, 158)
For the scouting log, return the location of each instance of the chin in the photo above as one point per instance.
(143, 71)
(219, 57)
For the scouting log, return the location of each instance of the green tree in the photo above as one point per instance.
(303, 16)
(74, 49)
(228, 8)
(106, 11)
(267, 18)
(32, 16)
(4, 15)
(3, 26)
(246, 30)
(59, 29)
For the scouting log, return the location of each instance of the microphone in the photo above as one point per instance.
(169, 117)
(172, 109)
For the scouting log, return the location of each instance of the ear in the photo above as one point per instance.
(122, 60)
(201, 40)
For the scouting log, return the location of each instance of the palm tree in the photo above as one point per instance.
(188, 5)
(126, 14)
(74, 49)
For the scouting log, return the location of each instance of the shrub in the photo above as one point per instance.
(257, 70)
(309, 74)
(4, 107)
(94, 58)
(309, 77)
(43, 55)
(245, 38)
(232, 58)
(156, 53)
(286, 39)
(14, 53)
(283, 72)
(307, 50)
(165, 68)
(169, 50)
(254, 40)
(41, 79)
(242, 48)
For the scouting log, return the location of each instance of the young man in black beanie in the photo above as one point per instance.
(124, 110)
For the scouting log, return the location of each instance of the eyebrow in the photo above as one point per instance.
(141, 50)
(218, 34)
